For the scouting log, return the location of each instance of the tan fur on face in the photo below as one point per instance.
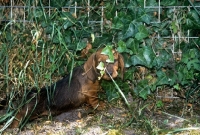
(111, 67)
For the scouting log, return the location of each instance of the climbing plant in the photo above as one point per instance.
(35, 54)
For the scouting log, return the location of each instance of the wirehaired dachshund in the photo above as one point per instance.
(69, 92)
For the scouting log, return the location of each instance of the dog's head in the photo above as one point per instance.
(111, 68)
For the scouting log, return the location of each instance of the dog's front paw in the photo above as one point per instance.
(100, 106)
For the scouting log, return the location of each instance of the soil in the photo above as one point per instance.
(84, 121)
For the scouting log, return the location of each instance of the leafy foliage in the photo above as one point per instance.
(36, 54)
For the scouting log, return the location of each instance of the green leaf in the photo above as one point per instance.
(58, 3)
(128, 75)
(110, 90)
(101, 66)
(108, 51)
(117, 23)
(174, 27)
(121, 46)
(148, 56)
(162, 78)
(38, 13)
(81, 45)
(133, 45)
(131, 31)
(192, 20)
(144, 16)
(143, 33)
(67, 24)
(68, 19)
(193, 63)
(195, 16)
(150, 2)
(138, 60)
(162, 60)
(168, 2)
(177, 87)
(144, 57)
(127, 60)
(159, 104)
(142, 89)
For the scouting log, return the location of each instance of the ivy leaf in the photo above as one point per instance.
(177, 87)
(68, 18)
(133, 45)
(162, 59)
(145, 92)
(159, 104)
(143, 33)
(57, 4)
(150, 2)
(110, 90)
(161, 78)
(81, 45)
(101, 66)
(144, 16)
(38, 13)
(138, 59)
(174, 27)
(148, 55)
(117, 23)
(128, 75)
(142, 89)
(131, 31)
(195, 63)
(108, 51)
(192, 20)
(168, 2)
(121, 46)
(127, 60)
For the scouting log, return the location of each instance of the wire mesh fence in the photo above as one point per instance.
(21, 12)
(185, 36)
(24, 12)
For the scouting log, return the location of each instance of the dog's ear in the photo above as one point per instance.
(121, 65)
(90, 68)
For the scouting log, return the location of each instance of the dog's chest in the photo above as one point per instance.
(89, 88)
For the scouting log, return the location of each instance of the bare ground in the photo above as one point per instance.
(83, 121)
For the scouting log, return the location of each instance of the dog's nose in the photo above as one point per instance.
(110, 72)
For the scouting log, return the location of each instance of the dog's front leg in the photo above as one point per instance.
(93, 100)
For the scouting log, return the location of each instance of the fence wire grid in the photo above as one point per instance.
(17, 11)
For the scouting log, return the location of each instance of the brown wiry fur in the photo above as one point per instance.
(68, 93)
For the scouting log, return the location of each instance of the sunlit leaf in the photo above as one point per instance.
(159, 104)
(121, 46)
(108, 51)
(81, 45)
(101, 66)
(174, 27)
(177, 87)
